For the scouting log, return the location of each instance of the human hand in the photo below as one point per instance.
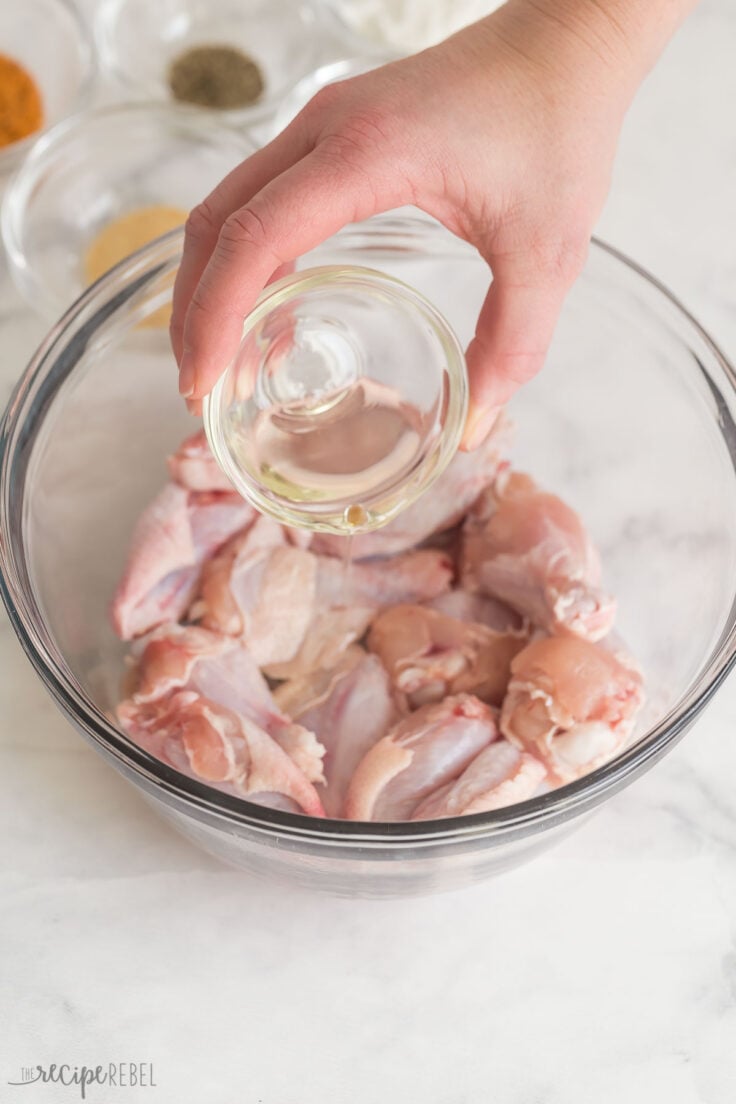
(506, 133)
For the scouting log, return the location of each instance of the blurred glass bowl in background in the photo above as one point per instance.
(95, 167)
(309, 86)
(138, 40)
(401, 27)
(50, 39)
(631, 421)
(360, 44)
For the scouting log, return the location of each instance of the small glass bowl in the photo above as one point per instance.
(96, 166)
(50, 39)
(138, 40)
(346, 32)
(346, 400)
(373, 41)
(309, 86)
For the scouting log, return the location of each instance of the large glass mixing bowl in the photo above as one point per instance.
(632, 420)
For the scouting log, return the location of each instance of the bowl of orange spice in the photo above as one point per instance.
(46, 70)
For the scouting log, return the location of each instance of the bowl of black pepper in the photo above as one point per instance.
(233, 56)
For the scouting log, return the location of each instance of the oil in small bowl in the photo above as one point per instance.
(346, 399)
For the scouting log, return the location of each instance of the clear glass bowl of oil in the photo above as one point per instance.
(346, 399)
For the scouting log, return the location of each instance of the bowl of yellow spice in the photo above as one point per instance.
(233, 56)
(101, 185)
(46, 69)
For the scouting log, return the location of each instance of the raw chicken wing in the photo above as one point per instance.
(171, 541)
(530, 550)
(429, 655)
(221, 747)
(426, 750)
(571, 703)
(220, 669)
(328, 637)
(466, 605)
(262, 589)
(411, 577)
(501, 775)
(193, 466)
(351, 707)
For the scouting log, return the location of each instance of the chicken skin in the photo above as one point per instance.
(530, 550)
(423, 752)
(500, 775)
(221, 671)
(262, 589)
(351, 706)
(173, 538)
(571, 703)
(429, 655)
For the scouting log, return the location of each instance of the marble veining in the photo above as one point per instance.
(605, 971)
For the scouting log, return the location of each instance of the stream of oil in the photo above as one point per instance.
(347, 564)
(355, 519)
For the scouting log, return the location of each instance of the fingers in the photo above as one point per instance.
(514, 331)
(205, 222)
(289, 216)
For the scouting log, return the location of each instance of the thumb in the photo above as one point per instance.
(514, 330)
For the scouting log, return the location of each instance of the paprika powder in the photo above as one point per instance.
(21, 108)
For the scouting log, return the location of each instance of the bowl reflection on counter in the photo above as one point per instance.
(631, 421)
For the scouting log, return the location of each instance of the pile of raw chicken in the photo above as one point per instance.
(464, 665)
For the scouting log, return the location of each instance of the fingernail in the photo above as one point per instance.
(481, 421)
(194, 406)
(186, 376)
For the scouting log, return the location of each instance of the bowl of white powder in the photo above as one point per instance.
(403, 27)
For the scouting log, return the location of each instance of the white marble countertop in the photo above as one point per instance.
(603, 972)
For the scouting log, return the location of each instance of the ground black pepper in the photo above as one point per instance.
(215, 76)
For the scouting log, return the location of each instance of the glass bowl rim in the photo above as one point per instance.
(331, 71)
(350, 36)
(157, 778)
(343, 275)
(13, 155)
(105, 20)
(50, 144)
